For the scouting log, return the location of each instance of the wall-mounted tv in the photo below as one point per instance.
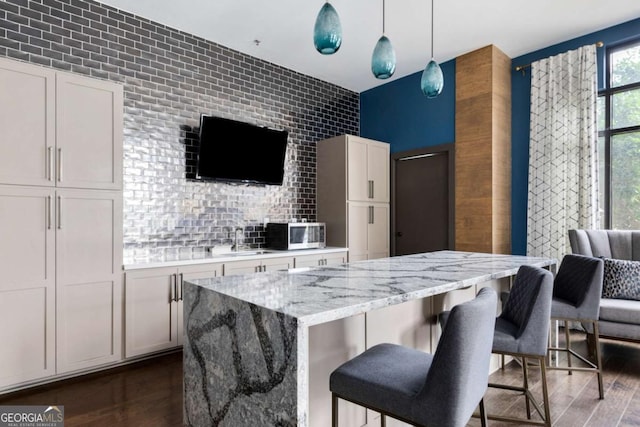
(235, 151)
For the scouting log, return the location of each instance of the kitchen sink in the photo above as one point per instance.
(244, 253)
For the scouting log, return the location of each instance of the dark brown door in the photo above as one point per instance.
(422, 202)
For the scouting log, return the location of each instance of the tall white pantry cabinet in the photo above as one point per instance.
(353, 194)
(60, 222)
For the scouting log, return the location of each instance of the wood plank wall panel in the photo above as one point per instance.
(483, 151)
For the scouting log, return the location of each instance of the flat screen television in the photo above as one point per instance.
(235, 151)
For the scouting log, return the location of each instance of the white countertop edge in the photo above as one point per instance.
(331, 315)
(216, 259)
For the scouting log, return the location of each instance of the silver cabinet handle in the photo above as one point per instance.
(49, 219)
(50, 163)
(59, 164)
(264, 268)
(373, 189)
(59, 212)
(373, 215)
(257, 269)
(370, 214)
(370, 188)
(181, 287)
(172, 288)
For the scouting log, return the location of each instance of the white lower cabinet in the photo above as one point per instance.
(368, 230)
(62, 283)
(153, 306)
(257, 265)
(88, 279)
(27, 288)
(320, 260)
(330, 345)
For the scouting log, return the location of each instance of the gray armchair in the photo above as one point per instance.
(619, 318)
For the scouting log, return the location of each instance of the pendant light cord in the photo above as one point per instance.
(383, 17)
(431, 28)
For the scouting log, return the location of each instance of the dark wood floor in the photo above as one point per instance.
(149, 393)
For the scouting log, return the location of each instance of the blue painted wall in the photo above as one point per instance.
(398, 113)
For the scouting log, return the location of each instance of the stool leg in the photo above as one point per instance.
(545, 392)
(483, 414)
(598, 358)
(383, 420)
(525, 385)
(334, 410)
(568, 342)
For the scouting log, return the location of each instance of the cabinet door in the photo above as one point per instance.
(320, 259)
(335, 258)
(242, 267)
(307, 261)
(330, 345)
(357, 177)
(27, 120)
(88, 278)
(358, 223)
(150, 306)
(378, 171)
(27, 288)
(274, 264)
(88, 132)
(190, 273)
(378, 231)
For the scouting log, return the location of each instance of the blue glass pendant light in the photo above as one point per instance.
(327, 33)
(432, 80)
(383, 60)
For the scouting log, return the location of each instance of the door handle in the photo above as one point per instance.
(59, 212)
(49, 218)
(181, 287)
(59, 164)
(50, 163)
(172, 288)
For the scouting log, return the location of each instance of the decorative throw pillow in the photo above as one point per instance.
(621, 279)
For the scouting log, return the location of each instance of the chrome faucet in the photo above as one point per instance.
(236, 246)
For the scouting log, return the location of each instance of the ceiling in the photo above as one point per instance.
(284, 29)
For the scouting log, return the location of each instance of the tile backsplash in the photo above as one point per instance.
(171, 77)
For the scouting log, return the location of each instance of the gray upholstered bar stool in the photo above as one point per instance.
(522, 331)
(576, 297)
(442, 389)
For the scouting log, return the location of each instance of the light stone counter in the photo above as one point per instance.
(176, 257)
(246, 337)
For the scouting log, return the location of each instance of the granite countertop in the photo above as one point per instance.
(174, 257)
(321, 294)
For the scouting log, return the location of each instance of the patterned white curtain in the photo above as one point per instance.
(563, 170)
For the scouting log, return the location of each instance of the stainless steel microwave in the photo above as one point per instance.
(296, 235)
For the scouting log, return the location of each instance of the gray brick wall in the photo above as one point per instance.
(171, 77)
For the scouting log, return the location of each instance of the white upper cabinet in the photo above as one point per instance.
(59, 129)
(88, 133)
(367, 170)
(353, 194)
(27, 120)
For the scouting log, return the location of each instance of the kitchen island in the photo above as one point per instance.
(246, 347)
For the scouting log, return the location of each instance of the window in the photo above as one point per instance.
(619, 138)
